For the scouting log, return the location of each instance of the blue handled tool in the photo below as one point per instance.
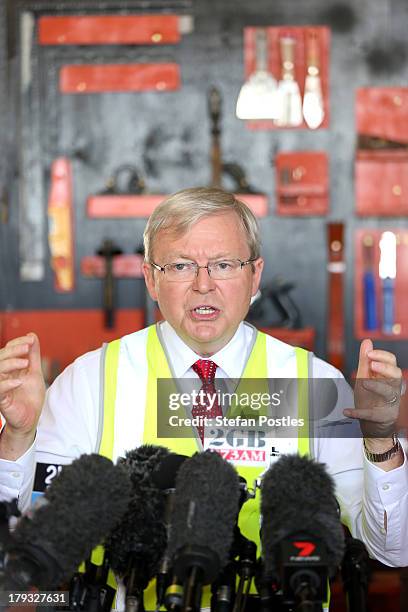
(370, 301)
(388, 271)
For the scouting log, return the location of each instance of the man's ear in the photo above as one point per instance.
(148, 274)
(256, 275)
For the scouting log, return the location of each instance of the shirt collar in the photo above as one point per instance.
(231, 359)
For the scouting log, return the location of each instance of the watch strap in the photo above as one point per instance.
(380, 457)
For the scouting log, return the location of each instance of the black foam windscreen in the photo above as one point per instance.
(205, 506)
(298, 496)
(80, 507)
(140, 537)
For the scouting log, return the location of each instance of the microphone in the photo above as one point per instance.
(136, 546)
(302, 538)
(164, 477)
(203, 519)
(79, 508)
(165, 474)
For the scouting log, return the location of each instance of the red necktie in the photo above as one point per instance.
(205, 368)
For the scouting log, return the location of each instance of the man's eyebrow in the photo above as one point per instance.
(190, 258)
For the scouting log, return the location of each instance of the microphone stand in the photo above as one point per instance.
(134, 593)
(196, 566)
(246, 571)
(355, 570)
(7, 510)
(223, 589)
(89, 590)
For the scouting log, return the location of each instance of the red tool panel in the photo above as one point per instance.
(369, 287)
(302, 183)
(381, 183)
(109, 30)
(97, 78)
(66, 334)
(300, 36)
(382, 112)
(116, 206)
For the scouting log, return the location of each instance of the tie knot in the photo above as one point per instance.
(205, 368)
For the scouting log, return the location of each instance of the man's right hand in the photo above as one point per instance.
(22, 393)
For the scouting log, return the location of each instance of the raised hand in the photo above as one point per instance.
(377, 392)
(22, 392)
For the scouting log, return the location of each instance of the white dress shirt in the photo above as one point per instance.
(69, 422)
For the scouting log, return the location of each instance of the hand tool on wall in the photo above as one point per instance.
(257, 97)
(388, 271)
(335, 268)
(375, 143)
(126, 179)
(31, 221)
(238, 176)
(231, 169)
(274, 298)
(370, 301)
(4, 204)
(289, 98)
(313, 109)
(214, 108)
(109, 250)
(60, 225)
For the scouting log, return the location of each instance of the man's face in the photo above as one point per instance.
(226, 302)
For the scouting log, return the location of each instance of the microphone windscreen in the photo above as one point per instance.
(205, 506)
(164, 476)
(80, 507)
(140, 537)
(298, 497)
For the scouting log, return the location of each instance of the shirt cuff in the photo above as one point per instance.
(16, 477)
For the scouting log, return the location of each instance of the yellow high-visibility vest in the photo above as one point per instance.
(158, 367)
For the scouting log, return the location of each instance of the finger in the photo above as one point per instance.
(366, 414)
(27, 339)
(35, 353)
(9, 365)
(386, 370)
(363, 370)
(14, 351)
(6, 386)
(384, 356)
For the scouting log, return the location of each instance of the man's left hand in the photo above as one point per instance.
(377, 395)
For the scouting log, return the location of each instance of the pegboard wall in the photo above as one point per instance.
(166, 135)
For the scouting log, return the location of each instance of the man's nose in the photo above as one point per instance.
(203, 281)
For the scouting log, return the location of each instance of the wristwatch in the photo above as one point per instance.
(379, 457)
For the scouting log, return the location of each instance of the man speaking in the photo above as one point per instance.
(203, 265)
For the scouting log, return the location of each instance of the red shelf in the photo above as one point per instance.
(97, 78)
(120, 206)
(123, 266)
(109, 30)
(382, 112)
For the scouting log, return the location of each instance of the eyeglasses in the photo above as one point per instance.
(188, 270)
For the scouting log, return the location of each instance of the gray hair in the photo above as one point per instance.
(183, 209)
